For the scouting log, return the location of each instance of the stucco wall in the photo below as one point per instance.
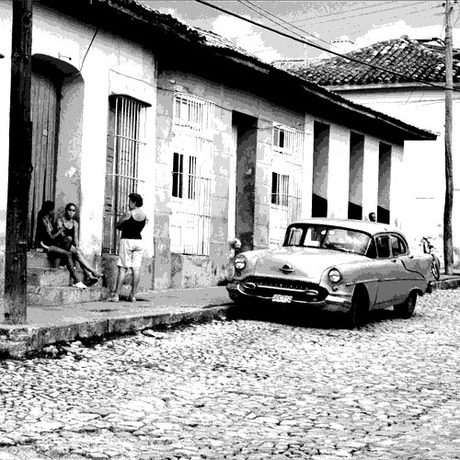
(228, 101)
(421, 201)
(96, 64)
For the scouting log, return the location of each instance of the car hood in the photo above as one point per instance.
(298, 262)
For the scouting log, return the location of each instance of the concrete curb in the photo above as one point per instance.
(451, 282)
(20, 342)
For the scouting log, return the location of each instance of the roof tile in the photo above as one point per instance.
(410, 61)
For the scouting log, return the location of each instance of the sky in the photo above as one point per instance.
(333, 25)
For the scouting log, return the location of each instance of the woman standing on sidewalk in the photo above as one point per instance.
(131, 225)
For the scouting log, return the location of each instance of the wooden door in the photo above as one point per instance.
(45, 116)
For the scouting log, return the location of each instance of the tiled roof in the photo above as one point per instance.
(410, 61)
(217, 41)
(206, 37)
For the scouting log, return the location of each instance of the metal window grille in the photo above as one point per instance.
(287, 141)
(128, 129)
(193, 113)
(286, 192)
(191, 175)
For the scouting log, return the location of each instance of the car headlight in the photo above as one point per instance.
(240, 263)
(334, 275)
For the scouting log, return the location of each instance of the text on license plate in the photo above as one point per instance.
(282, 298)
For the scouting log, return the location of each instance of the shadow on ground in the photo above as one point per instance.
(295, 316)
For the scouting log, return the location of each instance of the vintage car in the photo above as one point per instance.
(337, 265)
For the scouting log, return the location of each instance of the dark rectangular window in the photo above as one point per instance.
(280, 189)
(192, 178)
(178, 175)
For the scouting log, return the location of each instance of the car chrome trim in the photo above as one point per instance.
(351, 283)
(249, 286)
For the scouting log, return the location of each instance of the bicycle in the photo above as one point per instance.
(435, 263)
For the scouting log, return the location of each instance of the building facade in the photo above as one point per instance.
(221, 145)
(412, 90)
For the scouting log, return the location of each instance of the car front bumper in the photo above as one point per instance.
(332, 302)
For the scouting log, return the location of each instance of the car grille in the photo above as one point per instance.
(299, 290)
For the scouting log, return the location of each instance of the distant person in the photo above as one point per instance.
(131, 225)
(69, 241)
(47, 238)
(372, 217)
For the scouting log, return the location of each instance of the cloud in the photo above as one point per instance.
(388, 32)
(243, 35)
(396, 30)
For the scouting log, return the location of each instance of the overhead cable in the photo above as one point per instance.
(314, 45)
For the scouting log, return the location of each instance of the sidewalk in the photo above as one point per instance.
(50, 325)
(67, 323)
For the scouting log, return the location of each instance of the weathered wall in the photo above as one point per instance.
(421, 205)
(96, 64)
(254, 166)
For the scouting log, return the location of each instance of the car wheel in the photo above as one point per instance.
(436, 268)
(359, 310)
(235, 297)
(406, 309)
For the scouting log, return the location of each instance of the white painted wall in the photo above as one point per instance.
(110, 65)
(339, 172)
(421, 172)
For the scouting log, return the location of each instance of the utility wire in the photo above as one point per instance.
(305, 42)
(367, 14)
(360, 27)
(374, 4)
(266, 14)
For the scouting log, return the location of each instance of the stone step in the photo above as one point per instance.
(39, 277)
(38, 259)
(64, 295)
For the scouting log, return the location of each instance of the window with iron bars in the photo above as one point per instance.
(125, 138)
(286, 140)
(191, 175)
(286, 196)
(280, 189)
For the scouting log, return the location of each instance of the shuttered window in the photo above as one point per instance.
(125, 138)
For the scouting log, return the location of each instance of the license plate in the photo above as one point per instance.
(282, 298)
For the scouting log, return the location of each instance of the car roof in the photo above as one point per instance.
(360, 225)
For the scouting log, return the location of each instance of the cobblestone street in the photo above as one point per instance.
(246, 389)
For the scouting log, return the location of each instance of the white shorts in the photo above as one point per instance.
(130, 253)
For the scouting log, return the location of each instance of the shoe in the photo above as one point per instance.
(91, 281)
(80, 285)
(131, 298)
(114, 298)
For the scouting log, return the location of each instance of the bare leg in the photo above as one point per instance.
(120, 279)
(78, 256)
(67, 257)
(135, 282)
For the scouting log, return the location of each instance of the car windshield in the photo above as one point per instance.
(326, 237)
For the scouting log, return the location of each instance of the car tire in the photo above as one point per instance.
(359, 310)
(436, 268)
(406, 309)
